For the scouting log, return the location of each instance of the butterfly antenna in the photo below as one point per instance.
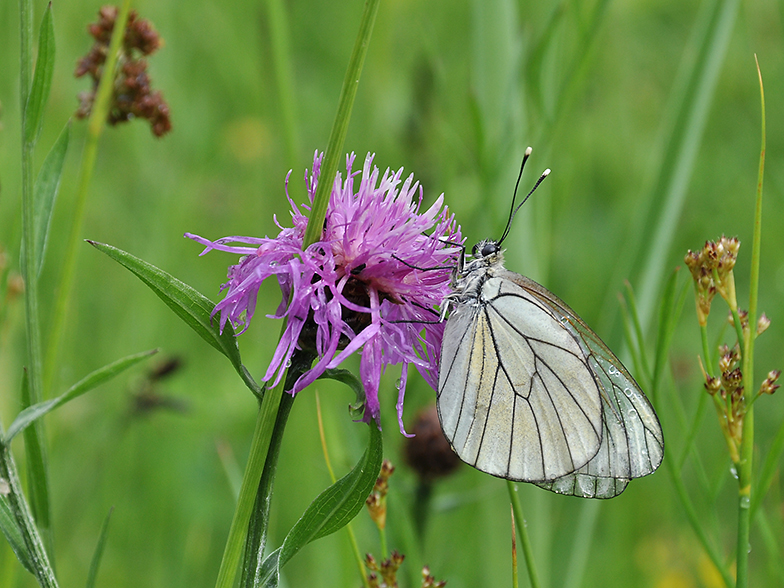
(513, 210)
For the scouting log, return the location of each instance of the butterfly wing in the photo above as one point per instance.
(516, 395)
(632, 440)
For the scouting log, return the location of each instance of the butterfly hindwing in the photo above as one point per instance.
(632, 441)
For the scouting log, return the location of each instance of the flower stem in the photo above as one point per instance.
(533, 576)
(259, 450)
(258, 525)
(339, 128)
(95, 126)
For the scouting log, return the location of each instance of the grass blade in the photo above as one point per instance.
(98, 551)
(45, 193)
(42, 79)
(32, 413)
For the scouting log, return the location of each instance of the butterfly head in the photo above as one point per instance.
(485, 254)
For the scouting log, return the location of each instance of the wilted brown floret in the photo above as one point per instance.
(132, 96)
(428, 452)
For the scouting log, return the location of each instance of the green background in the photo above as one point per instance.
(453, 92)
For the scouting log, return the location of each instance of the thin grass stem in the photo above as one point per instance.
(349, 529)
(528, 554)
(745, 470)
(515, 582)
(95, 126)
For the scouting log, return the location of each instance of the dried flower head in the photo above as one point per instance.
(132, 96)
(711, 269)
(377, 500)
(387, 570)
(365, 284)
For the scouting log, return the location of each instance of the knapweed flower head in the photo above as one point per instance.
(371, 282)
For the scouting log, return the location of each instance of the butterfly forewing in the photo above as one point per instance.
(517, 397)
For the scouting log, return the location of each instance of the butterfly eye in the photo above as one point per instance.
(489, 249)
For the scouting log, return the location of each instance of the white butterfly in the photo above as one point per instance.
(528, 392)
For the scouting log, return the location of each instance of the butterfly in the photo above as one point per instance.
(528, 392)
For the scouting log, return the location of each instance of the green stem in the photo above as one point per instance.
(95, 126)
(528, 554)
(515, 582)
(258, 527)
(706, 349)
(259, 450)
(35, 447)
(339, 128)
(744, 499)
(747, 444)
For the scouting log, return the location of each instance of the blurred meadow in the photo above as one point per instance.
(648, 114)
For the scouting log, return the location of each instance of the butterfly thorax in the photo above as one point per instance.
(486, 258)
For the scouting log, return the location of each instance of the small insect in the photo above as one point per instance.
(528, 392)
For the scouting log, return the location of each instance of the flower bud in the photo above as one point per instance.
(762, 324)
(769, 385)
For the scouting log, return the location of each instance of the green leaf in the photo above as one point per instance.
(12, 531)
(191, 306)
(42, 79)
(330, 511)
(96, 378)
(98, 551)
(45, 193)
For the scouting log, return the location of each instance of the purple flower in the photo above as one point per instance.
(371, 282)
